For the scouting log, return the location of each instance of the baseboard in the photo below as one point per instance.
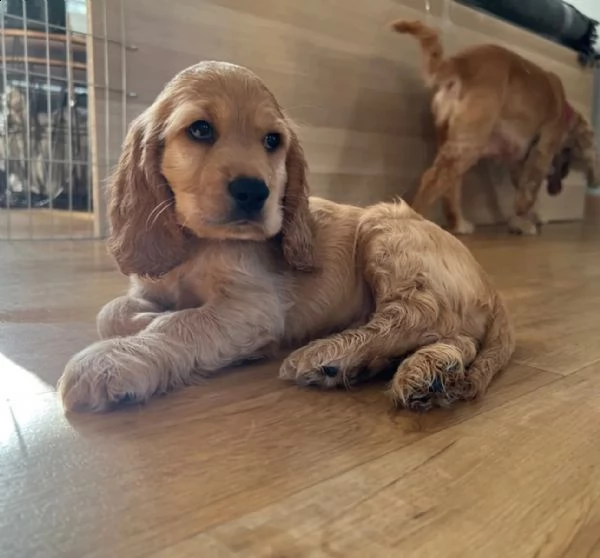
(592, 206)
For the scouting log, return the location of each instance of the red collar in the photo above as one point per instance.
(568, 113)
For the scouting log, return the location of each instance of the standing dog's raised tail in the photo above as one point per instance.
(430, 43)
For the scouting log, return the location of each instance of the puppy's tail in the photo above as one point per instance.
(430, 44)
(496, 350)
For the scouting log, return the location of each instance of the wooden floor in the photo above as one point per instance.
(247, 466)
(36, 224)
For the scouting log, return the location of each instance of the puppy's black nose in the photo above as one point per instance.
(249, 193)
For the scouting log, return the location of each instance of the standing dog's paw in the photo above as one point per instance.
(462, 228)
(539, 219)
(521, 225)
(101, 376)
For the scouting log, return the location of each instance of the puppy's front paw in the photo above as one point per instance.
(309, 367)
(103, 375)
(521, 225)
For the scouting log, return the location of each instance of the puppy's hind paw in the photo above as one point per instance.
(432, 377)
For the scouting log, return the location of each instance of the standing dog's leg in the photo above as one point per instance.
(457, 224)
(465, 141)
(451, 163)
(530, 178)
(451, 201)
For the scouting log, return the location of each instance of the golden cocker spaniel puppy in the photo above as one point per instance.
(230, 260)
(492, 103)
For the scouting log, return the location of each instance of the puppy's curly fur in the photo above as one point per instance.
(491, 103)
(362, 287)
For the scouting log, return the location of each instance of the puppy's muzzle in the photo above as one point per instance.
(249, 196)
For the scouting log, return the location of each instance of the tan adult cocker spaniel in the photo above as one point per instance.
(230, 260)
(489, 102)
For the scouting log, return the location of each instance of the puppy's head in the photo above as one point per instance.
(214, 157)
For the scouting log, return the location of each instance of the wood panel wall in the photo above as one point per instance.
(353, 86)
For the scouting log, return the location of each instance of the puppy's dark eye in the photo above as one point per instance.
(272, 141)
(201, 130)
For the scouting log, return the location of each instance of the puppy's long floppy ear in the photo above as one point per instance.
(145, 236)
(297, 228)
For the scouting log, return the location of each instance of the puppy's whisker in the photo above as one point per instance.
(165, 206)
(158, 207)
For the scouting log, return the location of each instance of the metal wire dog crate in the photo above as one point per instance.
(55, 117)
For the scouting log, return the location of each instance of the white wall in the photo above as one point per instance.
(590, 8)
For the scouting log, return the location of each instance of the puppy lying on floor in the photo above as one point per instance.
(229, 261)
(491, 102)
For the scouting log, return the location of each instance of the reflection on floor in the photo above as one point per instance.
(247, 466)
